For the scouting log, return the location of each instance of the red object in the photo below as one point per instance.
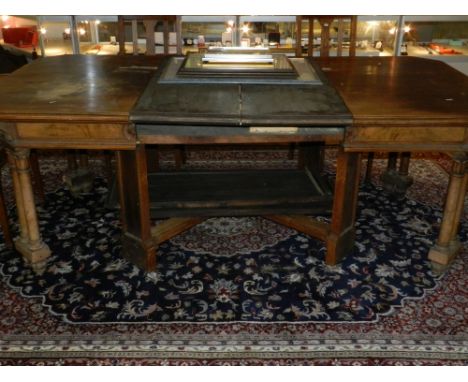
(441, 50)
(21, 37)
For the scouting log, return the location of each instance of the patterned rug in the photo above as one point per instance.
(244, 290)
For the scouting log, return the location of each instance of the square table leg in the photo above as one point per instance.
(132, 175)
(78, 176)
(340, 240)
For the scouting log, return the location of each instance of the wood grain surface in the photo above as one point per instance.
(75, 87)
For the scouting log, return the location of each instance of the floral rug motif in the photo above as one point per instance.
(232, 236)
(284, 280)
(426, 330)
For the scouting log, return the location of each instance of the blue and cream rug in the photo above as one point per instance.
(232, 275)
(228, 269)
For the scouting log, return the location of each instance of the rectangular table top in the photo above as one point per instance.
(379, 91)
(385, 91)
(75, 88)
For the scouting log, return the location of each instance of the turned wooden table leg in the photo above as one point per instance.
(404, 164)
(36, 175)
(404, 180)
(78, 177)
(138, 245)
(397, 182)
(30, 243)
(392, 161)
(447, 245)
(71, 161)
(340, 240)
(4, 223)
(455, 242)
(23, 227)
(388, 176)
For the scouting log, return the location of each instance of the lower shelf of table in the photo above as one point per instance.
(238, 193)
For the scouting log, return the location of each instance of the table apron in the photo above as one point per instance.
(187, 135)
(99, 136)
(407, 138)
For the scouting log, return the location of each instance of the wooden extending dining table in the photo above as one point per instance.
(390, 104)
